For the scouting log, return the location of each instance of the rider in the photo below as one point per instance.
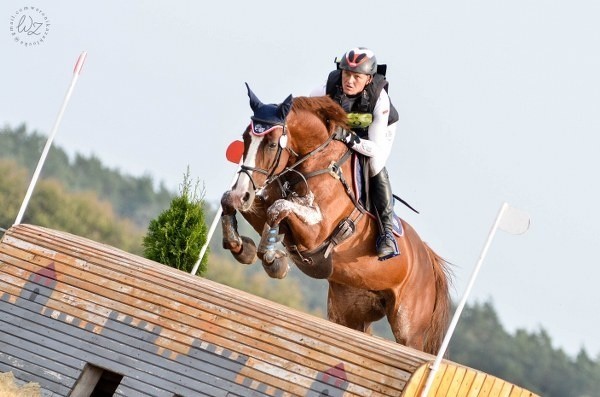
(360, 87)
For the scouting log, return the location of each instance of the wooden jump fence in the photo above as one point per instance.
(82, 318)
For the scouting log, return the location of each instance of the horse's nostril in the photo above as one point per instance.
(246, 197)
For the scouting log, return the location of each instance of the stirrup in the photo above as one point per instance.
(386, 246)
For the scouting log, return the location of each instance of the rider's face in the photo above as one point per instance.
(354, 83)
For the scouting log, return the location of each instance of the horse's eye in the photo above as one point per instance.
(272, 145)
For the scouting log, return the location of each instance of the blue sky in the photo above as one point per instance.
(498, 101)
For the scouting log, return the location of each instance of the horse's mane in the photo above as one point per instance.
(325, 108)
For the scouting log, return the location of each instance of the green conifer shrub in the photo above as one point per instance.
(177, 235)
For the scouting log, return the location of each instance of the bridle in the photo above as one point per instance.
(270, 171)
(334, 168)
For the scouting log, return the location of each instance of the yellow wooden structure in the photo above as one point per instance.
(456, 380)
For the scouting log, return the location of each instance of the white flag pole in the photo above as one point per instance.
(36, 174)
(213, 226)
(436, 364)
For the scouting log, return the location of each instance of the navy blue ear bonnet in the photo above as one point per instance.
(267, 116)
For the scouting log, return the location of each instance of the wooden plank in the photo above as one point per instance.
(467, 383)
(486, 386)
(457, 379)
(446, 381)
(496, 388)
(506, 389)
(476, 385)
(515, 392)
(437, 381)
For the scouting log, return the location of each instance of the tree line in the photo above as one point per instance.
(84, 197)
(134, 198)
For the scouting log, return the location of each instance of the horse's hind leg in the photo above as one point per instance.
(354, 308)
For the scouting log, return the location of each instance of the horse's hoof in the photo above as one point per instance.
(247, 255)
(278, 267)
(269, 257)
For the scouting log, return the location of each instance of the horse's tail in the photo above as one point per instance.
(441, 310)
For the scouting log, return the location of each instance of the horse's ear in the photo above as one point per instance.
(285, 106)
(255, 103)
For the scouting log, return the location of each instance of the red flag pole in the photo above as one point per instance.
(36, 174)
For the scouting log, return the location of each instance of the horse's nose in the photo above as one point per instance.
(247, 199)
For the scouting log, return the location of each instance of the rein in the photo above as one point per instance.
(334, 168)
(301, 160)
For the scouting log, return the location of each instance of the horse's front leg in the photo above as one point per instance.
(242, 248)
(275, 261)
(304, 209)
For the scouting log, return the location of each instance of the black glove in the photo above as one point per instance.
(350, 138)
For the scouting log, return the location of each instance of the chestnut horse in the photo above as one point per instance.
(296, 180)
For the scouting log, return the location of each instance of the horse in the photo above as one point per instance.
(295, 188)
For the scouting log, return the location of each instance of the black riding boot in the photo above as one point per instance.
(383, 202)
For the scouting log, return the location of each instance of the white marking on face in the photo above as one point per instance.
(244, 184)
